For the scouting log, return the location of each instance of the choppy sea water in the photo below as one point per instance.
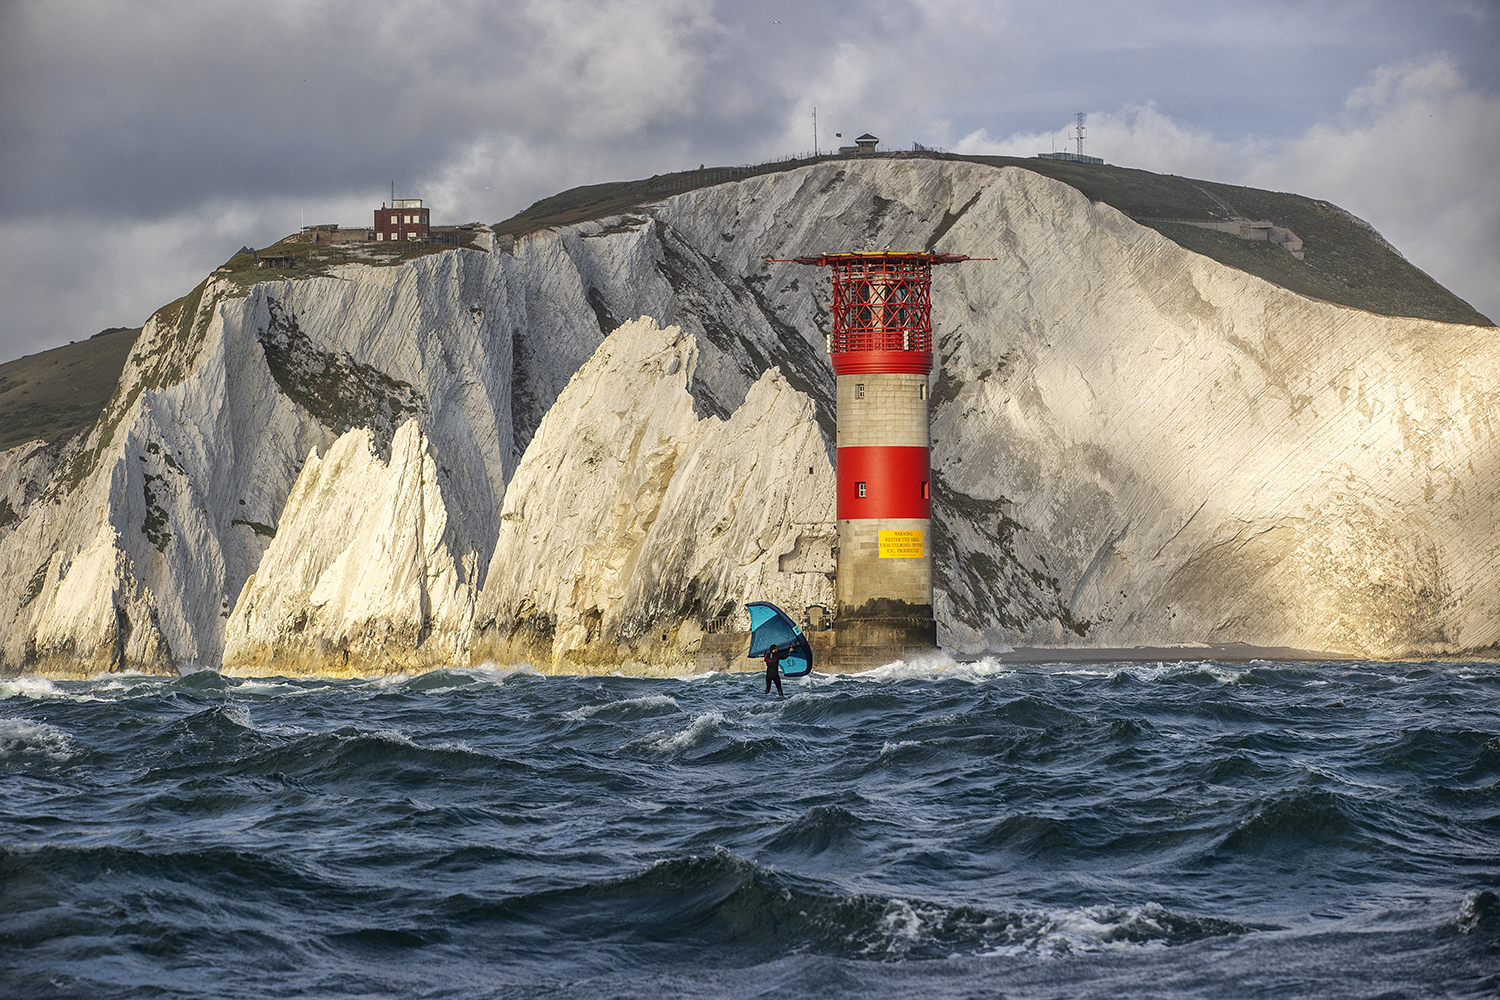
(1146, 830)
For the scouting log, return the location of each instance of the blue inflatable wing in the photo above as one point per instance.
(769, 624)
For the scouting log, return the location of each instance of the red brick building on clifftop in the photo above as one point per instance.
(406, 219)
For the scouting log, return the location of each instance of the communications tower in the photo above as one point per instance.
(881, 349)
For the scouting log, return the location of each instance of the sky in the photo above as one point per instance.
(143, 143)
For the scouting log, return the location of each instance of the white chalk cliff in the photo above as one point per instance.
(479, 455)
(632, 519)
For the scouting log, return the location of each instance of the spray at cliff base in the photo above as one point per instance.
(1150, 830)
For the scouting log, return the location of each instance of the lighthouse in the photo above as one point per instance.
(881, 349)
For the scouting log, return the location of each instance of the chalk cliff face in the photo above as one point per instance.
(483, 455)
(631, 519)
(363, 568)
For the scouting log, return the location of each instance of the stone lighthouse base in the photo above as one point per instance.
(862, 643)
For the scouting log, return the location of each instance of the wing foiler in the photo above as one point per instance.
(769, 624)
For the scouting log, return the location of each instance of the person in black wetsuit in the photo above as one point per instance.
(773, 669)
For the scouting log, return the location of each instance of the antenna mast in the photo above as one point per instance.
(1079, 136)
(815, 131)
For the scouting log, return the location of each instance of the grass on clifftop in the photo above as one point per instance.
(59, 392)
(599, 201)
(1346, 262)
(314, 259)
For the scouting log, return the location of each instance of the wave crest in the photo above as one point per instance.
(24, 738)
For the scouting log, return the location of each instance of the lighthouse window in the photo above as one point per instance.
(922, 391)
(861, 489)
(859, 393)
(926, 493)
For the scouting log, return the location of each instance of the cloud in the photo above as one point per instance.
(143, 142)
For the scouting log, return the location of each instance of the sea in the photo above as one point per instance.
(1124, 830)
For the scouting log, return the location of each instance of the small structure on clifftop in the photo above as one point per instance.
(863, 144)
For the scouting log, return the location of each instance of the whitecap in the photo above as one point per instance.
(1062, 932)
(983, 669)
(898, 670)
(99, 687)
(27, 738)
(905, 926)
(936, 666)
(385, 681)
(703, 728)
(644, 701)
(30, 687)
(269, 687)
(1148, 673)
(707, 675)
(459, 746)
(395, 736)
(889, 747)
(237, 714)
(901, 922)
(490, 670)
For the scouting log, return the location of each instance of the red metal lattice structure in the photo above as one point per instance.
(882, 309)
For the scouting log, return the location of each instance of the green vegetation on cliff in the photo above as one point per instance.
(311, 260)
(1345, 261)
(599, 201)
(59, 392)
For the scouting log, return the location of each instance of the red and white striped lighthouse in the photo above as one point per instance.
(881, 348)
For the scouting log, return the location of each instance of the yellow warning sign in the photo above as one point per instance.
(901, 545)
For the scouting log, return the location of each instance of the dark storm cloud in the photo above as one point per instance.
(142, 143)
(145, 108)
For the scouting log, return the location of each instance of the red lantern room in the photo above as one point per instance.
(882, 310)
